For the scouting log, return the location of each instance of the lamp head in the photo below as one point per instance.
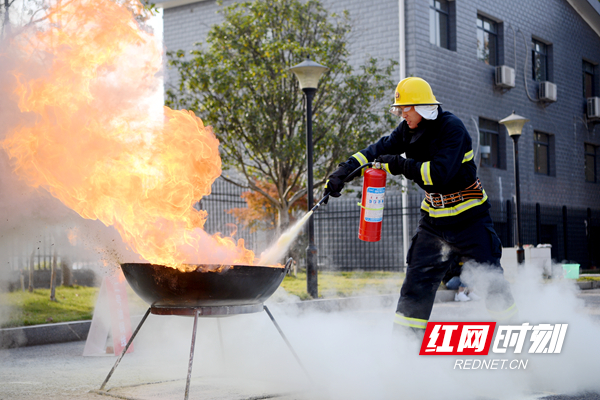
(514, 124)
(308, 73)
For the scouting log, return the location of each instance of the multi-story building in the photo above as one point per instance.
(485, 59)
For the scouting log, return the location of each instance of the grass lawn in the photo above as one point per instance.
(24, 308)
(345, 284)
(77, 303)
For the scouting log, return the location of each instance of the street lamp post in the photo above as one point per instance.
(514, 125)
(308, 73)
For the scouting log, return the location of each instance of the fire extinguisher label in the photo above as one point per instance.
(374, 204)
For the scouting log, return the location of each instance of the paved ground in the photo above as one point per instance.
(350, 355)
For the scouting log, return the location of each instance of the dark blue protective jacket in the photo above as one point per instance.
(439, 159)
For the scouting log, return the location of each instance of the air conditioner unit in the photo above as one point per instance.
(547, 91)
(485, 151)
(505, 76)
(593, 107)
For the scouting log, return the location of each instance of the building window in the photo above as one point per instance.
(541, 158)
(590, 162)
(438, 23)
(489, 143)
(588, 79)
(487, 40)
(539, 57)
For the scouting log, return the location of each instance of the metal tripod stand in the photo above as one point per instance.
(215, 311)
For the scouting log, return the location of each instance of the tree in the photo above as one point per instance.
(5, 7)
(31, 261)
(239, 82)
(65, 266)
(36, 11)
(53, 276)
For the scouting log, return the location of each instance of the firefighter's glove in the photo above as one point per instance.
(335, 181)
(394, 164)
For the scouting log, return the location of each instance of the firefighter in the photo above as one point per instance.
(455, 220)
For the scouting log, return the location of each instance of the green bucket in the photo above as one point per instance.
(571, 271)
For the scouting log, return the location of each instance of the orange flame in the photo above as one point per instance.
(84, 78)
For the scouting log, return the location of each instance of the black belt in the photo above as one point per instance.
(438, 200)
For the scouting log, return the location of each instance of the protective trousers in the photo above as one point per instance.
(433, 251)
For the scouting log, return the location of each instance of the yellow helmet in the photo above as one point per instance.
(414, 91)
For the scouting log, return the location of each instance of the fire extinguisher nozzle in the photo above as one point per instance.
(320, 202)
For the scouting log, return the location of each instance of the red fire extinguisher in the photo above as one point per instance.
(371, 213)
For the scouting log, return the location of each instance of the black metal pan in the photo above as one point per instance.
(203, 285)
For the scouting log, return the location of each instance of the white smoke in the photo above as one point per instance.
(353, 354)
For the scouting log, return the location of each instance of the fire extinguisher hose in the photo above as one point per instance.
(348, 179)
